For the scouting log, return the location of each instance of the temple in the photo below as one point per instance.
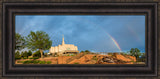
(64, 49)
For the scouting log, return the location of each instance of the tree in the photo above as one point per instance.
(123, 53)
(17, 55)
(37, 54)
(87, 51)
(45, 54)
(81, 51)
(132, 51)
(29, 53)
(24, 54)
(20, 42)
(135, 52)
(38, 40)
(142, 57)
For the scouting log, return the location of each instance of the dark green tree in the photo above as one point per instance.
(17, 55)
(135, 52)
(38, 40)
(132, 51)
(143, 57)
(81, 51)
(87, 51)
(29, 53)
(37, 54)
(20, 42)
(24, 54)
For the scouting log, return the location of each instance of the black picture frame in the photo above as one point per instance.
(8, 32)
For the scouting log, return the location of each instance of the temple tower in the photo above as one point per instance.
(63, 40)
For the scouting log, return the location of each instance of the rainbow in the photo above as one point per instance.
(114, 41)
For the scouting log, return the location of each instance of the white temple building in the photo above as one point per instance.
(64, 49)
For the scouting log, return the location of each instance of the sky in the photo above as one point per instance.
(96, 33)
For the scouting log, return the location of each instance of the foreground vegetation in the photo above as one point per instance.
(34, 62)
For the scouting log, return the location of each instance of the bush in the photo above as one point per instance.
(25, 58)
(28, 62)
(94, 58)
(48, 62)
(72, 55)
(76, 63)
(110, 53)
(20, 61)
(35, 62)
(16, 58)
(34, 58)
(30, 58)
(42, 62)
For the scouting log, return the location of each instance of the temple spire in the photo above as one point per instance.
(63, 40)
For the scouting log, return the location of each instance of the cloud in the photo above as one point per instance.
(88, 32)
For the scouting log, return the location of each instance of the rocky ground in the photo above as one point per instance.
(82, 58)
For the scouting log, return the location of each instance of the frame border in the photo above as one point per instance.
(8, 28)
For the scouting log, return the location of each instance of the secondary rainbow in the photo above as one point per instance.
(114, 41)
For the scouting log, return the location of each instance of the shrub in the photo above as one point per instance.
(42, 62)
(94, 58)
(16, 58)
(25, 58)
(20, 61)
(28, 62)
(35, 62)
(110, 53)
(48, 62)
(76, 63)
(72, 55)
(34, 58)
